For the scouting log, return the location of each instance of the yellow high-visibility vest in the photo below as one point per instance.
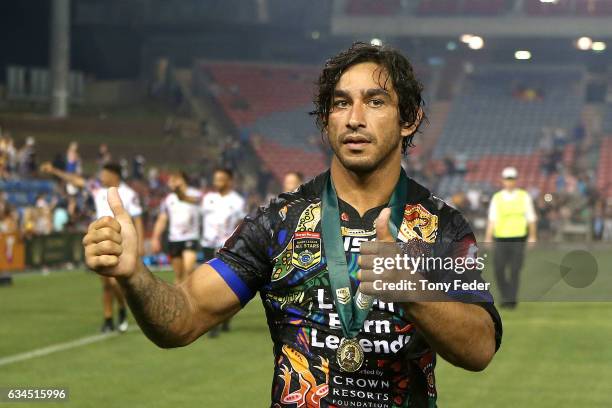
(511, 215)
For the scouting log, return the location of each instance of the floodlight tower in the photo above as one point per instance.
(60, 57)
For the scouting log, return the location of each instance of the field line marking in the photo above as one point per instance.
(55, 348)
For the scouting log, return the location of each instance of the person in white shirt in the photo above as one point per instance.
(110, 176)
(222, 210)
(181, 212)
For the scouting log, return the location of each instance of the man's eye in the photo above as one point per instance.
(340, 104)
(375, 103)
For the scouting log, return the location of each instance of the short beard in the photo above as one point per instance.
(363, 167)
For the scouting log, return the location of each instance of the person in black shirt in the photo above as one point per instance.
(369, 107)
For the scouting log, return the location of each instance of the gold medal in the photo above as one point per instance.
(349, 355)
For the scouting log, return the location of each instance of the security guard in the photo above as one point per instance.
(512, 222)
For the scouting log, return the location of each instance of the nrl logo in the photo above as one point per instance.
(343, 295)
(363, 301)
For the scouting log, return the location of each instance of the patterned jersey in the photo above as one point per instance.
(278, 251)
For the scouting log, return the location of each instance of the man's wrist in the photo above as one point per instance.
(129, 280)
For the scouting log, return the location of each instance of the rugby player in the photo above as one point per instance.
(222, 210)
(183, 217)
(369, 106)
(109, 176)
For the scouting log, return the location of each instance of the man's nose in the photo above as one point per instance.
(356, 118)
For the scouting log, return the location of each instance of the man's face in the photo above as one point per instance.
(509, 183)
(364, 122)
(291, 182)
(221, 181)
(108, 178)
(175, 182)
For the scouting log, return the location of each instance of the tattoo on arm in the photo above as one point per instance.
(161, 309)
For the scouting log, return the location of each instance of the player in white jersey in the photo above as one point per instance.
(181, 212)
(222, 210)
(110, 176)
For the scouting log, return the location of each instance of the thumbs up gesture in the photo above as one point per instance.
(111, 244)
(379, 272)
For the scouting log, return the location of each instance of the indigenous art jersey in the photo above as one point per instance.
(279, 252)
(183, 216)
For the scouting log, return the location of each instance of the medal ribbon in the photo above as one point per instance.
(352, 310)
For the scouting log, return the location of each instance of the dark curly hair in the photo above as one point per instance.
(399, 71)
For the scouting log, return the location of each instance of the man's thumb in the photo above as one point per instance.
(115, 203)
(383, 234)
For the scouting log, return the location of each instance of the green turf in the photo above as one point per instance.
(553, 355)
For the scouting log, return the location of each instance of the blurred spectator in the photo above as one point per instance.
(138, 163)
(9, 223)
(73, 159)
(8, 155)
(598, 222)
(27, 158)
(292, 181)
(61, 218)
(153, 178)
(104, 156)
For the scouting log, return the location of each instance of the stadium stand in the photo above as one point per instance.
(269, 104)
(526, 100)
(21, 193)
(250, 91)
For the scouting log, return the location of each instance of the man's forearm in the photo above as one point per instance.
(162, 310)
(462, 333)
(533, 235)
(69, 177)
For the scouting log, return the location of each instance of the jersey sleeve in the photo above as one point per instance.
(463, 248)
(244, 261)
(133, 205)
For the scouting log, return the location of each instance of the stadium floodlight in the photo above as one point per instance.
(376, 41)
(522, 55)
(465, 38)
(315, 35)
(584, 43)
(476, 43)
(598, 46)
(549, 1)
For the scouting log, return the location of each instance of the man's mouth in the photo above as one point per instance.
(356, 141)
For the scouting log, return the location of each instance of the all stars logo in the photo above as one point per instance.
(306, 249)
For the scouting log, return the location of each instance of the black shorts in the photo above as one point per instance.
(175, 249)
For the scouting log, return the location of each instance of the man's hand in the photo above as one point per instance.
(379, 284)
(111, 244)
(156, 245)
(46, 168)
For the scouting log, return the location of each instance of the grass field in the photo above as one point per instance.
(553, 355)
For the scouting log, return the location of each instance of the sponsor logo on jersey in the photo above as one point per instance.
(306, 249)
